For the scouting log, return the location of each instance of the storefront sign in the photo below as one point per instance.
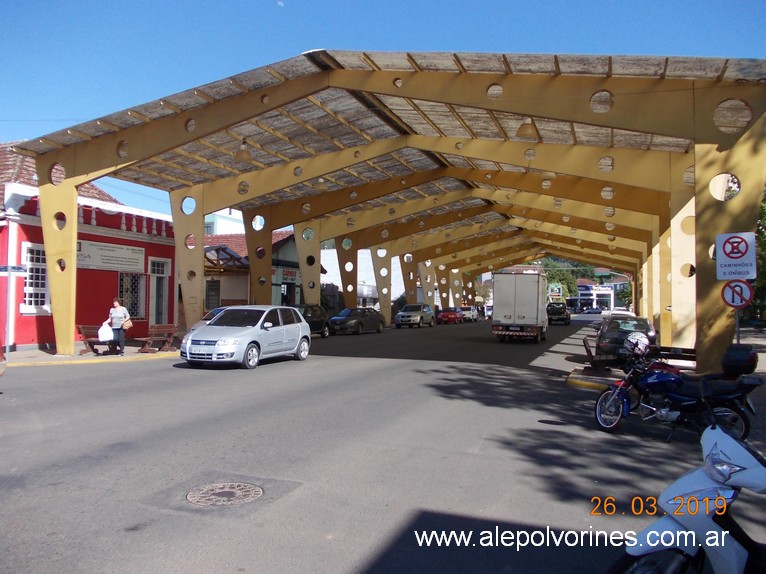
(280, 275)
(110, 257)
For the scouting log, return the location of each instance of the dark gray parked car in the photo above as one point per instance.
(317, 318)
(357, 320)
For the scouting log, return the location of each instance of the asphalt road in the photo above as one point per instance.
(372, 439)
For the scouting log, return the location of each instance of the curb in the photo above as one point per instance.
(92, 360)
(590, 382)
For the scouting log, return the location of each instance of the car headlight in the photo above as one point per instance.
(185, 338)
(227, 342)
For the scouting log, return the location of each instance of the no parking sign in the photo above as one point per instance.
(735, 256)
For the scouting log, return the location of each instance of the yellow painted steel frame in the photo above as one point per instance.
(661, 232)
(746, 160)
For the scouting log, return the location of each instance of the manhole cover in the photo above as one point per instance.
(224, 494)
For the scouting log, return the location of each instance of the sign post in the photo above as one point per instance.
(735, 261)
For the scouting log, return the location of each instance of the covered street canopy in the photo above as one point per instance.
(458, 163)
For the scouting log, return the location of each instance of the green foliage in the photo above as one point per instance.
(565, 272)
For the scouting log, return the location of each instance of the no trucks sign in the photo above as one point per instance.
(735, 256)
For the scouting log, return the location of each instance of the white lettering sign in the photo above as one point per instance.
(110, 257)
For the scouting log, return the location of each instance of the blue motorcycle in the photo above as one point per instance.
(662, 393)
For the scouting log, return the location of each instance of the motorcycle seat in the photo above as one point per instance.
(691, 385)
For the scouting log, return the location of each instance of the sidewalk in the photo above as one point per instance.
(590, 379)
(36, 357)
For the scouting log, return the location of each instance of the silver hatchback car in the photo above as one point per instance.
(245, 334)
(415, 314)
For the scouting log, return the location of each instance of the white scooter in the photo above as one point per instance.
(697, 533)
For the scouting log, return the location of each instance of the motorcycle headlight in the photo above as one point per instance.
(227, 342)
(719, 468)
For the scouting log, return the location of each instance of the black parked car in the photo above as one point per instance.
(357, 320)
(615, 328)
(558, 313)
(317, 318)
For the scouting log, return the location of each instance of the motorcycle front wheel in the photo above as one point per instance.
(609, 410)
(733, 420)
(664, 562)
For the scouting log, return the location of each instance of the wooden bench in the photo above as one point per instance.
(89, 335)
(158, 334)
(596, 361)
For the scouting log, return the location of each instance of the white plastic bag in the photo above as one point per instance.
(105, 333)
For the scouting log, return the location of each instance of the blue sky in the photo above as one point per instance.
(70, 61)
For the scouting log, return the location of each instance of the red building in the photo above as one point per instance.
(121, 252)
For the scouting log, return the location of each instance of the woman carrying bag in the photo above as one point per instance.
(119, 320)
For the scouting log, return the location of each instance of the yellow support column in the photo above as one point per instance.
(469, 288)
(409, 277)
(345, 248)
(258, 228)
(308, 246)
(683, 264)
(58, 217)
(189, 230)
(381, 263)
(428, 280)
(729, 192)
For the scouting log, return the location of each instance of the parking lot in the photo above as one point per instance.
(372, 439)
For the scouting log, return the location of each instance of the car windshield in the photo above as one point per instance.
(350, 313)
(448, 310)
(628, 325)
(212, 313)
(411, 308)
(237, 318)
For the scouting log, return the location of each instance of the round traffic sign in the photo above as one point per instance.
(737, 293)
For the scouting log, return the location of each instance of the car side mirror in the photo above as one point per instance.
(268, 325)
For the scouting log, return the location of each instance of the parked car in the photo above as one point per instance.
(470, 313)
(245, 334)
(615, 329)
(415, 314)
(558, 313)
(206, 319)
(488, 311)
(317, 318)
(357, 320)
(450, 315)
(593, 311)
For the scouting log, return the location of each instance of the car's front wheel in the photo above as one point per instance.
(325, 332)
(302, 352)
(252, 356)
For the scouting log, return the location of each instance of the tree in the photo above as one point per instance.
(562, 271)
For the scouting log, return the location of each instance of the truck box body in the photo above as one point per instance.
(519, 306)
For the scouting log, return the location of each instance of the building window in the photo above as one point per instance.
(132, 291)
(36, 296)
(209, 228)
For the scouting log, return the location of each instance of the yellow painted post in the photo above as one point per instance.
(258, 235)
(58, 217)
(189, 231)
(729, 192)
(381, 263)
(308, 247)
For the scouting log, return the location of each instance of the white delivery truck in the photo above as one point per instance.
(519, 305)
